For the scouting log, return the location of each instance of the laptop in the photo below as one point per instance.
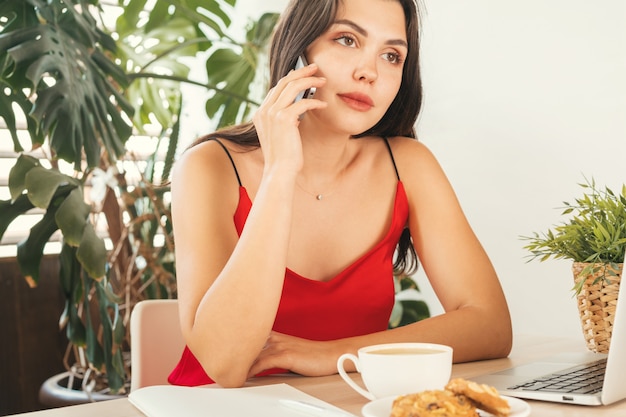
(548, 379)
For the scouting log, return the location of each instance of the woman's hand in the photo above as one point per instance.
(302, 356)
(278, 118)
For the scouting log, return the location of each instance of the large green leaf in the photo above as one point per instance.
(214, 14)
(9, 97)
(77, 104)
(71, 217)
(218, 16)
(111, 326)
(129, 20)
(17, 174)
(230, 70)
(261, 31)
(95, 351)
(153, 48)
(75, 329)
(234, 70)
(92, 253)
(69, 271)
(42, 185)
(30, 250)
(15, 14)
(159, 51)
(10, 210)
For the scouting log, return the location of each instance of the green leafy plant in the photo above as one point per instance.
(408, 308)
(595, 232)
(83, 89)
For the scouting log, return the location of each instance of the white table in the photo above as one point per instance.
(332, 389)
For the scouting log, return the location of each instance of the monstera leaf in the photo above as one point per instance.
(80, 91)
(62, 198)
(15, 15)
(155, 45)
(233, 71)
(152, 49)
(8, 97)
(75, 87)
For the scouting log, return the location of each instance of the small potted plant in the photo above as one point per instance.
(594, 239)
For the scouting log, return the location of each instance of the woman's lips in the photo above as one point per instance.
(357, 101)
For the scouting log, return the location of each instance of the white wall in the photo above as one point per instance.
(523, 98)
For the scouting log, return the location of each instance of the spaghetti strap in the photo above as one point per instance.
(229, 157)
(392, 159)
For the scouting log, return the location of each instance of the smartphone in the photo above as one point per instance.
(309, 92)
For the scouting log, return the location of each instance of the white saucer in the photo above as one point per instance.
(382, 408)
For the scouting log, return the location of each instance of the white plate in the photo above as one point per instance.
(382, 408)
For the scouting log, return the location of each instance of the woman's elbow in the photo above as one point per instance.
(502, 338)
(504, 346)
(225, 372)
(230, 379)
(225, 367)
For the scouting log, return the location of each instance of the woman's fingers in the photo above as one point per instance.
(283, 94)
(278, 117)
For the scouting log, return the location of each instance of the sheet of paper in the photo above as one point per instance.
(169, 400)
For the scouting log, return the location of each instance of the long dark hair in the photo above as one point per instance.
(302, 22)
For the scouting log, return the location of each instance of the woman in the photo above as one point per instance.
(326, 187)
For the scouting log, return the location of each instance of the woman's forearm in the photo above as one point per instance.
(235, 315)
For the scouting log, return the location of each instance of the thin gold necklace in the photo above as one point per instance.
(321, 196)
(318, 196)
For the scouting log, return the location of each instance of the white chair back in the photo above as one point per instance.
(156, 342)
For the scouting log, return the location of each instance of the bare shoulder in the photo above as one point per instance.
(411, 147)
(424, 180)
(413, 158)
(204, 158)
(203, 172)
(208, 163)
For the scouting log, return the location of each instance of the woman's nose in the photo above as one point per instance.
(366, 70)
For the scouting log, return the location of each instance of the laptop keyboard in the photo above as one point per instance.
(583, 379)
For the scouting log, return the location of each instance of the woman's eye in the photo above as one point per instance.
(346, 40)
(392, 57)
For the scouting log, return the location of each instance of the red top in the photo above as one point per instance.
(357, 301)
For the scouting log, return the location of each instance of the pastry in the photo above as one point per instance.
(436, 403)
(486, 397)
(460, 398)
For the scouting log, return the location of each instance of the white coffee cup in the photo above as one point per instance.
(399, 368)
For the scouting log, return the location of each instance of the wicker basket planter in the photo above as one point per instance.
(596, 304)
